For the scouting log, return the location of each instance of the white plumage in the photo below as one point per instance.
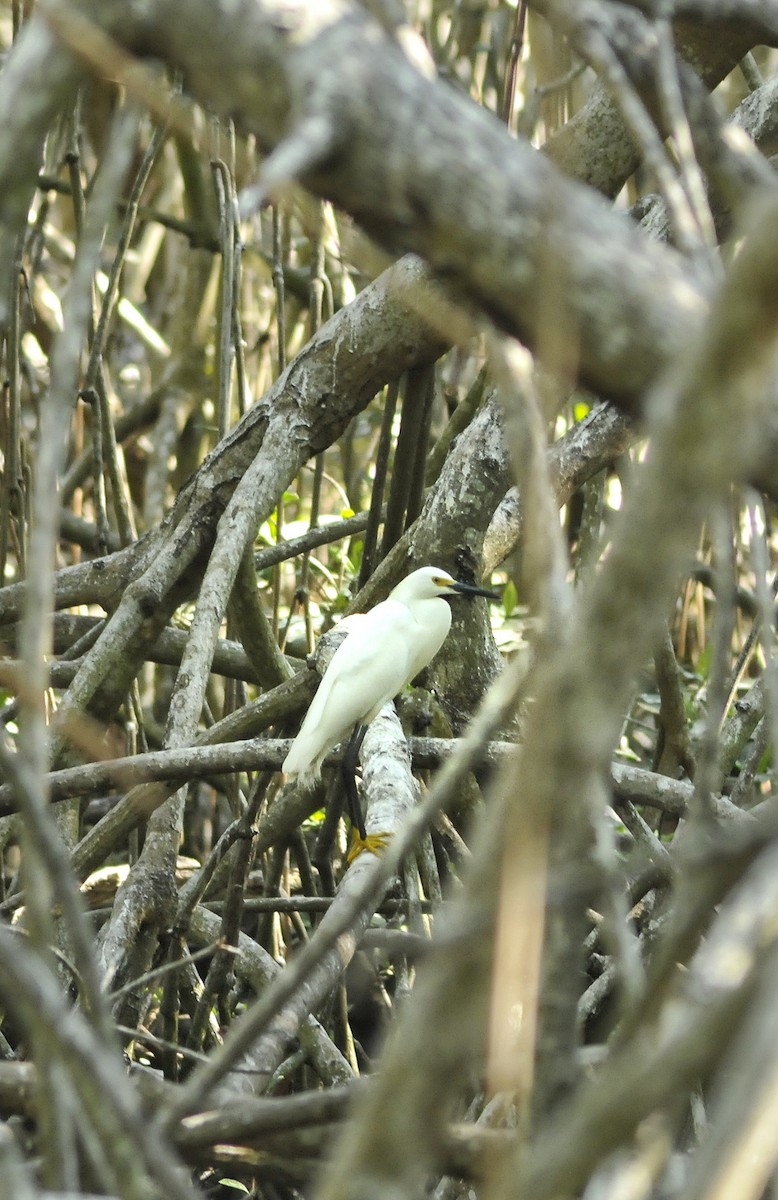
(382, 653)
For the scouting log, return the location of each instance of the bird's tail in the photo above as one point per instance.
(299, 764)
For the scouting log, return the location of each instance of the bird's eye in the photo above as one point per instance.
(441, 581)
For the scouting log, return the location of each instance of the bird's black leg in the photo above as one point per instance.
(349, 770)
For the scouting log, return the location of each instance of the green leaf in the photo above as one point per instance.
(234, 1183)
(510, 597)
(704, 660)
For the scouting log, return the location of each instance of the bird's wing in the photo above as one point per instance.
(368, 668)
(375, 661)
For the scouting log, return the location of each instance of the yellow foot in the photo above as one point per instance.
(374, 843)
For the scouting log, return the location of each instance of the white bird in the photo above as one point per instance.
(386, 648)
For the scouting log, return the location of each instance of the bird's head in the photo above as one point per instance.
(428, 582)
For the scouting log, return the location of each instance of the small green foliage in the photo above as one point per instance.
(268, 530)
(704, 660)
(510, 598)
(626, 753)
(356, 550)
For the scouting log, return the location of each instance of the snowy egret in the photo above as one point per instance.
(383, 651)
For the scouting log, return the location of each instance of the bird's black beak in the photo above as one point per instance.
(469, 589)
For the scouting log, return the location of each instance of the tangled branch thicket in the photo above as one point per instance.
(296, 297)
